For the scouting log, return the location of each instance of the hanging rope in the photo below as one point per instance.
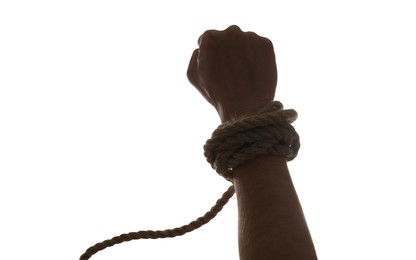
(168, 233)
(267, 132)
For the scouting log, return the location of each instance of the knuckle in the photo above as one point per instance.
(207, 38)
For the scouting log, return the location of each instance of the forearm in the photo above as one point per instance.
(236, 73)
(271, 222)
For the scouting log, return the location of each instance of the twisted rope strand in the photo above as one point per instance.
(267, 132)
(168, 233)
(269, 117)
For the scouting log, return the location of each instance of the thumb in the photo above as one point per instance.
(192, 72)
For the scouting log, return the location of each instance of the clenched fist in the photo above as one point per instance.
(234, 70)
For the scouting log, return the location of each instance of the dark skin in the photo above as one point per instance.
(236, 72)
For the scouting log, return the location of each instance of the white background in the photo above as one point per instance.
(101, 133)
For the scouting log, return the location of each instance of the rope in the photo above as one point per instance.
(168, 233)
(267, 132)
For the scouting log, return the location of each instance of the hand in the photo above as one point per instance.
(234, 70)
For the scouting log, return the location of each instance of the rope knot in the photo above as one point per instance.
(267, 132)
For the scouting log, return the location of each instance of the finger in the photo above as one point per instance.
(231, 35)
(193, 76)
(233, 29)
(209, 37)
(251, 34)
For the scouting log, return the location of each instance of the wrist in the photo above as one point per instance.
(259, 171)
(227, 113)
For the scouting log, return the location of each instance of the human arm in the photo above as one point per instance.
(271, 222)
(236, 72)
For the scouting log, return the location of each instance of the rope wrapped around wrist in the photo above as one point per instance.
(268, 131)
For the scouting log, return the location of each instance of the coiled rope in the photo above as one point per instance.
(267, 132)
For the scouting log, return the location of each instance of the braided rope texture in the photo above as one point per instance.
(267, 132)
(168, 233)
